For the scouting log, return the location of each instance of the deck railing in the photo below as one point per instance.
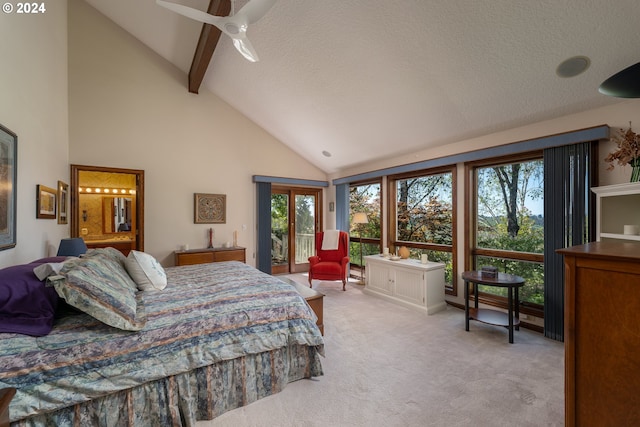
(305, 247)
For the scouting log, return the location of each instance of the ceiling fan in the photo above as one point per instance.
(234, 25)
(624, 84)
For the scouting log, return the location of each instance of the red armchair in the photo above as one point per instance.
(330, 264)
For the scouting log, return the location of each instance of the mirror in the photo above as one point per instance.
(92, 197)
(116, 214)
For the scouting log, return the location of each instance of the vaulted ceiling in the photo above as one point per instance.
(367, 79)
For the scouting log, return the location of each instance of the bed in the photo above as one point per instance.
(215, 337)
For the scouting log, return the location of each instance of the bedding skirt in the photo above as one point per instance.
(201, 394)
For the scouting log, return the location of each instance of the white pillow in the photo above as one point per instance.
(146, 271)
(42, 271)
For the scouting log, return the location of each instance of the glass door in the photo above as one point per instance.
(304, 231)
(294, 221)
(279, 232)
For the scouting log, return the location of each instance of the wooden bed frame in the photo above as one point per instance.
(6, 394)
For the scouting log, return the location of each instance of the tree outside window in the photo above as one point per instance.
(424, 217)
(509, 226)
(364, 198)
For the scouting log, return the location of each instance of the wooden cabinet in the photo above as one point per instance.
(602, 339)
(124, 246)
(202, 256)
(313, 298)
(407, 282)
(616, 206)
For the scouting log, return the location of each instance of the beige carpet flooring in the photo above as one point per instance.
(386, 365)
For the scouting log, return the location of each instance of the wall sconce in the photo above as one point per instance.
(84, 215)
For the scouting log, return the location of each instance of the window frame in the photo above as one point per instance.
(471, 210)
(393, 242)
(366, 240)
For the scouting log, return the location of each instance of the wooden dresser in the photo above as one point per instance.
(202, 256)
(124, 246)
(602, 334)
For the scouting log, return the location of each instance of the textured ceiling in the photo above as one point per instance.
(366, 79)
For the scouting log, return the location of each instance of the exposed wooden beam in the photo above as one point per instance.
(207, 43)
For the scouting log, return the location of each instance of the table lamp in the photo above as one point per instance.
(74, 246)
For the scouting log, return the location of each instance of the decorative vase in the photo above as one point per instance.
(403, 252)
(635, 169)
(210, 238)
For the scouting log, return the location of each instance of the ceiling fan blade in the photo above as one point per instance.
(243, 45)
(255, 9)
(234, 26)
(624, 84)
(192, 13)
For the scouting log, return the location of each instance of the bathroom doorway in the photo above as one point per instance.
(107, 207)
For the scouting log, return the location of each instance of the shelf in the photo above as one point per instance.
(492, 317)
(617, 205)
(621, 236)
(617, 189)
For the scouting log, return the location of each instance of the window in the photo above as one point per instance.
(423, 216)
(508, 224)
(365, 198)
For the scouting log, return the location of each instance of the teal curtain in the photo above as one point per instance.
(342, 207)
(263, 204)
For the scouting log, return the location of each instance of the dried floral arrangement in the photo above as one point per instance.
(628, 143)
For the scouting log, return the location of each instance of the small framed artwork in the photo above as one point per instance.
(8, 174)
(45, 202)
(210, 208)
(63, 202)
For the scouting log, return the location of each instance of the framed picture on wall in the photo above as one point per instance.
(63, 202)
(45, 202)
(210, 208)
(8, 174)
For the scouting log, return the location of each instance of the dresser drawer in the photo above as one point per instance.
(202, 256)
(194, 258)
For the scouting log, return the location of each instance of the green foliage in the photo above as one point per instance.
(279, 214)
(305, 214)
(367, 249)
(532, 273)
(365, 198)
(530, 237)
(424, 209)
(505, 222)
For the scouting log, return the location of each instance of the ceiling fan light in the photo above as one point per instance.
(231, 28)
(623, 84)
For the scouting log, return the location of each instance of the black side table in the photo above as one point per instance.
(493, 317)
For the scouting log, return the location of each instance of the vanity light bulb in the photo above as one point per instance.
(123, 191)
(97, 190)
(88, 190)
(106, 190)
(80, 189)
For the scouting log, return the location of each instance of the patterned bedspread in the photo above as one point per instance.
(208, 313)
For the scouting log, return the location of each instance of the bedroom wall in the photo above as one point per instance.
(33, 104)
(130, 108)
